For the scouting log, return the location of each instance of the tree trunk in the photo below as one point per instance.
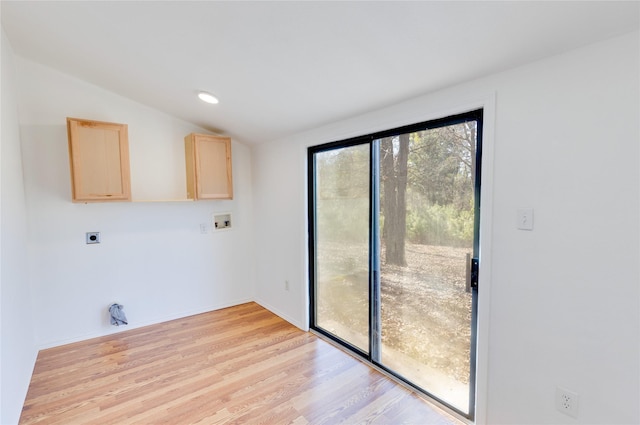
(394, 206)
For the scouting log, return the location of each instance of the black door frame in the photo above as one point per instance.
(374, 284)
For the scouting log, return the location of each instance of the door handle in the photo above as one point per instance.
(473, 266)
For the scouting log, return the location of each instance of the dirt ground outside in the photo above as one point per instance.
(426, 311)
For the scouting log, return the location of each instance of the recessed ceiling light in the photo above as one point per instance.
(207, 97)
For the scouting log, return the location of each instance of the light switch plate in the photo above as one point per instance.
(525, 219)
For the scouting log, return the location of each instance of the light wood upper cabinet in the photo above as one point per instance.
(99, 159)
(208, 160)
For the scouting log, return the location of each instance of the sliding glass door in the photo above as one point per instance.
(341, 214)
(393, 248)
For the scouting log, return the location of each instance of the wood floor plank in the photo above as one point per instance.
(237, 365)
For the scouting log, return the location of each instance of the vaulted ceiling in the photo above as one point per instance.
(283, 67)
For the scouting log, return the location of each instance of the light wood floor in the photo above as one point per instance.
(237, 365)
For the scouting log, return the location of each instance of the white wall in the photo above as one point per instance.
(279, 172)
(18, 350)
(560, 305)
(152, 257)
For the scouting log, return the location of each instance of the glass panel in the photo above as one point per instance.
(342, 243)
(427, 231)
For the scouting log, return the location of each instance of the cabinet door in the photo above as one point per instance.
(99, 158)
(208, 167)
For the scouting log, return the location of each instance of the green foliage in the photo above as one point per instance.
(440, 225)
(441, 164)
(343, 220)
(441, 168)
(342, 198)
(432, 170)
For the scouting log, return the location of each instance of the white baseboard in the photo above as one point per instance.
(302, 326)
(154, 321)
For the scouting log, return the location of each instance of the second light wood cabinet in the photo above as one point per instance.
(208, 161)
(99, 158)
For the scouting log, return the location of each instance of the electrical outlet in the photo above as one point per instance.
(567, 402)
(92, 237)
(286, 285)
(203, 228)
